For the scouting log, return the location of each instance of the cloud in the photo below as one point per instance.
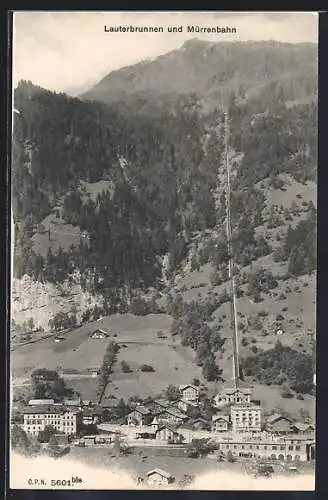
(60, 50)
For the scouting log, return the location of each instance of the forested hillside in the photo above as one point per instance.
(126, 198)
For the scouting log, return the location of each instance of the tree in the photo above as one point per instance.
(172, 393)
(122, 409)
(108, 363)
(200, 447)
(305, 416)
(210, 370)
(30, 324)
(19, 439)
(45, 435)
(48, 384)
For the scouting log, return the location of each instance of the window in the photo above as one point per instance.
(265, 447)
(297, 448)
(282, 447)
(291, 447)
(274, 447)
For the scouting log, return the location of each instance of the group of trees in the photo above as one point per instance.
(159, 190)
(191, 324)
(282, 140)
(282, 365)
(299, 247)
(47, 384)
(260, 281)
(106, 368)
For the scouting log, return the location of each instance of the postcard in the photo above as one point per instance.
(164, 219)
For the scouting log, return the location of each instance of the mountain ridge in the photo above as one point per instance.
(212, 70)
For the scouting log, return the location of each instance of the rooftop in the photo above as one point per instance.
(169, 427)
(220, 417)
(232, 390)
(303, 427)
(141, 409)
(277, 416)
(161, 472)
(40, 409)
(186, 386)
(34, 402)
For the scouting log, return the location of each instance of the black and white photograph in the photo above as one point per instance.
(163, 250)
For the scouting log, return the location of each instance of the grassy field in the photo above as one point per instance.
(139, 345)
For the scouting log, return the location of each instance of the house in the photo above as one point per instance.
(201, 424)
(172, 416)
(87, 403)
(99, 334)
(155, 424)
(159, 477)
(62, 439)
(157, 405)
(246, 418)
(183, 405)
(233, 396)
(87, 441)
(303, 429)
(169, 434)
(90, 416)
(141, 415)
(220, 423)
(66, 420)
(278, 424)
(94, 372)
(36, 402)
(58, 339)
(189, 392)
(72, 402)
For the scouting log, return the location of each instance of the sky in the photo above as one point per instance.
(70, 51)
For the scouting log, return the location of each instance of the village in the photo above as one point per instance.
(236, 430)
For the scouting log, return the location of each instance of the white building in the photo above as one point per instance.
(189, 392)
(233, 396)
(246, 418)
(220, 423)
(35, 402)
(65, 420)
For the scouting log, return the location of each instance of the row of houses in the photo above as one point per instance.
(244, 414)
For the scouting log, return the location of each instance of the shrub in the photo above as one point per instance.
(147, 368)
(125, 367)
(230, 457)
(286, 393)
